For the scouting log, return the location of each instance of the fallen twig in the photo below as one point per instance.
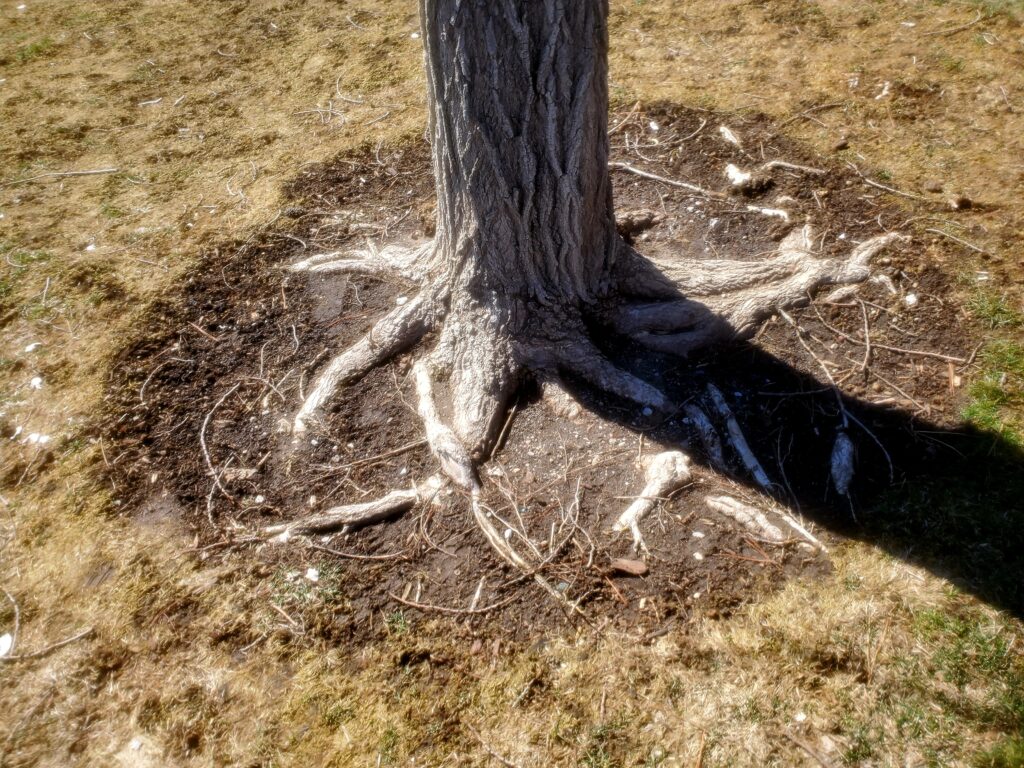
(50, 648)
(615, 166)
(60, 175)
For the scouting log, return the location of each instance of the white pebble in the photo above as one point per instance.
(910, 299)
(312, 574)
(36, 382)
(698, 556)
(33, 346)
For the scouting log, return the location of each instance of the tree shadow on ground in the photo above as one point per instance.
(949, 499)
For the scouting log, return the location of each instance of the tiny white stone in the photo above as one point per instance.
(696, 595)
(800, 717)
(6, 642)
(842, 236)
(36, 382)
(33, 346)
(654, 126)
(312, 574)
(401, 300)
(22, 7)
(698, 556)
(698, 534)
(508, 534)
(312, 501)
(135, 745)
(415, 35)
(910, 300)
(91, 247)
(259, 499)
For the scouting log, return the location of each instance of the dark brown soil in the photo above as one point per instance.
(229, 357)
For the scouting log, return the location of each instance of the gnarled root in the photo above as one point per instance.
(411, 263)
(666, 472)
(347, 516)
(751, 518)
(396, 331)
(689, 304)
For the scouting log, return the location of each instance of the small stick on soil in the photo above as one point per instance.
(956, 239)
(890, 190)
(381, 456)
(354, 556)
(793, 167)
(887, 348)
(738, 440)
(202, 442)
(459, 611)
(954, 30)
(867, 338)
(671, 182)
(347, 515)
(50, 648)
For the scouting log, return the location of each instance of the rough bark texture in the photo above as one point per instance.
(518, 122)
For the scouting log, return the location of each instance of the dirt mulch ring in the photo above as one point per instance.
(227, 361)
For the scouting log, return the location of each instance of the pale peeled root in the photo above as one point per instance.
(751, 518)
(411, 263)
(458, 466)
(348, 515)
(757, 522)
(666, 472)
(450, 452)
(708, 300)
(737, 438)
(396, 331)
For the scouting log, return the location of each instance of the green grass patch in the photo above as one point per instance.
(27, 53)
(998, 392)
(994, 310)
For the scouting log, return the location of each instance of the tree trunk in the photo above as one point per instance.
(518, 101)
(526, 253)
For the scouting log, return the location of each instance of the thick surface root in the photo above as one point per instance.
(709, 300)
(396, 331)
(410, 263)
(751, 518)
(347, 516)
(666, 472)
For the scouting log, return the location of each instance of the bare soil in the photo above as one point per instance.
(229, 357)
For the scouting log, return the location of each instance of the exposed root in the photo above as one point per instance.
(483, 374)
(666, 472)
(393, 333)
(705, 301)
(581, 358)
(450, 452)
(751, 518)
(555, 396)
(347, 516)
(410, 263)
(708, 436)
(738, 440)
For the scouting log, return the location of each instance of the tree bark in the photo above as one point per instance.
(518, 102)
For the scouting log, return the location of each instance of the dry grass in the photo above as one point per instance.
(880, 664)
